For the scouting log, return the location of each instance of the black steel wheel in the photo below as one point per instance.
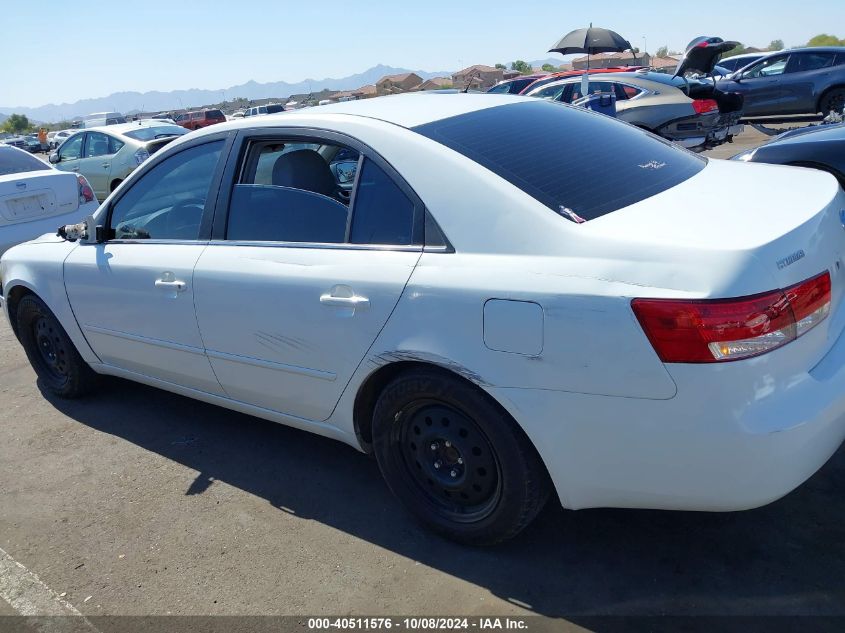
(456, 459)
(51, 353)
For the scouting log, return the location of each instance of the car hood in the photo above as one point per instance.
(702, 54)
(835, 132)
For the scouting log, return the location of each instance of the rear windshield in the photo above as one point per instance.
(159, 131)
(580, 164)
(13, 161)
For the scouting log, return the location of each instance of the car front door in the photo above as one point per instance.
(133, 295)
(95, 163)
(70, 153)
(762, 86)
(299, 282)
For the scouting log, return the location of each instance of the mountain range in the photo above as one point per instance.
(156, 100)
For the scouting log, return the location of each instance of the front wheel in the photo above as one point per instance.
(51, 353)
(455, 459)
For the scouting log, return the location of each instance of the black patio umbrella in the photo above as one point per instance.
(591, 40)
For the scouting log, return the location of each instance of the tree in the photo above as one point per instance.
(521, 66)
(549, 68)
(776, 45)
(16, 123)
(663, 51)
(823, 39)
(502, 66)
(739, 49)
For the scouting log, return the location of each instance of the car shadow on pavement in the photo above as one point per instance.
(786, 558)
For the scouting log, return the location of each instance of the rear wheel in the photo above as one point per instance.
(115, 183)
(51, 353)
(455, 459)
(833, 100)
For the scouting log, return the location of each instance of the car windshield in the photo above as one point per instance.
(15, 162)
(582, 165)
(153, 132)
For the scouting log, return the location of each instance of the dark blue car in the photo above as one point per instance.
(797, 81)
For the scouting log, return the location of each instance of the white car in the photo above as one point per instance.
(497, 296)
(60, 137)
(37, 199)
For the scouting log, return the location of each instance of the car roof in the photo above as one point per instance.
(123, 128)
(405, 110)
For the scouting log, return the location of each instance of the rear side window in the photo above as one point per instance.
(813, 61)
(579, 164)
(214, 114)
(14, 162)
(382, 213)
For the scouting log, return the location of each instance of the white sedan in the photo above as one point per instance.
(35, 198)
(499, 297)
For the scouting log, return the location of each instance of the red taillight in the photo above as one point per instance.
(703, 106)
(86, 194)
(718, 330)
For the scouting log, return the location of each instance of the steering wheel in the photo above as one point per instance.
(181, 218)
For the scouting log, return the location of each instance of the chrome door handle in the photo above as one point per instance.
(105, 165)
(177, 286)
(345, 302)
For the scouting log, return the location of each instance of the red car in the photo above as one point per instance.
(199, 118)
(576, 73)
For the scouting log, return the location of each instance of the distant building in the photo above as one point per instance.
(394, 84)
(664, 64)
(606, 60)
(480, 76)
(435, 83)
(365, 92)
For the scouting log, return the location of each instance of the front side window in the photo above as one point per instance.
(71, 149)
(97, 144)
(168, 201)
(768, 68)
(552, 92)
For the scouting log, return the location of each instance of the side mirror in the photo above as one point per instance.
(54, 157)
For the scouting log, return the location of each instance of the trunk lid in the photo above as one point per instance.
(729, 232)
(702, 54)
(36, 195)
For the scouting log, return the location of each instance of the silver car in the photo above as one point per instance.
(687, 112)
(107, 155)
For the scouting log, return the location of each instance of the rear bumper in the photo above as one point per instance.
(13, 234)
(702, 131)
(734, 437)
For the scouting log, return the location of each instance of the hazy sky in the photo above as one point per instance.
(61, 51)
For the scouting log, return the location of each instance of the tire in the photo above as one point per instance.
(115, 183)
(50, 351)
(455, 459)
(833, 99)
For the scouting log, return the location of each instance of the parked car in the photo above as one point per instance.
(199, 118)
(557, 324)
(737, 62)
(516, 85)
(797, 81)
(270, 108)
(60, 137)
(658, 103)
(238, 114)
(36, 199)
(16, 141)
(820, 147)
(32, 145)
(107, 155)
(547, 79)
(99, 119)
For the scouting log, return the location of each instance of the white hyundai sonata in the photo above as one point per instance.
(495, 296)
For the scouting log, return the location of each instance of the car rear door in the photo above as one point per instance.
(133, 295)
(297, 284)
(806, 72)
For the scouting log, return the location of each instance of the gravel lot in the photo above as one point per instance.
(151, 503)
